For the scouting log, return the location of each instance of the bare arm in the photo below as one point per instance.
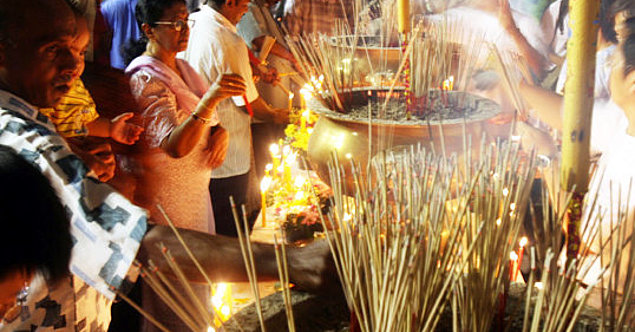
(535, 60)
(99, 128)
(183, 138)
(265, 112)
(547, 104)
(277, 50)
(310, 267)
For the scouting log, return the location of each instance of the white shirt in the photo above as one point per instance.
(477, 23)
(607, 122)
(602, 73)
(556, 39)
(611, 183)
(215, 49)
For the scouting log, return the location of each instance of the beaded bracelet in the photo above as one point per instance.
(199, 118)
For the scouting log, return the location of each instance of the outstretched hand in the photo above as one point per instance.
(311, 268)
(216, 149)
(97, 155)
(227, 85)
(123, 132)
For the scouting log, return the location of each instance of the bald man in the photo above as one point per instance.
(36, 66)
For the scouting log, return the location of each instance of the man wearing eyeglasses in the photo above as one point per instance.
(214, 49)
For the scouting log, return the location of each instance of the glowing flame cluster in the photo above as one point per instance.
(222, 302)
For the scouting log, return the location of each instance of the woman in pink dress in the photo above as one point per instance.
(182, 140)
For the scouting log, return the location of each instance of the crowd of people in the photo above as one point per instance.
(194, 139)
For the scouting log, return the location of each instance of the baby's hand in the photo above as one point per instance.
(123, 132)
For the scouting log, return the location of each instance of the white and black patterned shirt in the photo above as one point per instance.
(106, 228)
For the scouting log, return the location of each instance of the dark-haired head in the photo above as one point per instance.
(622, 80)
(233, 10)
(628, 46)
(35, 227)
(146, 12)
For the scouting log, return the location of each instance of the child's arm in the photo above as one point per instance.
(117, 129)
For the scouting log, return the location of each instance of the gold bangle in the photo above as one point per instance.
(201, 119)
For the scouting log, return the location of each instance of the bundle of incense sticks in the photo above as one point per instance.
(500, 196)
(185, 304)
(248, 257)
(408, 239)
(283, 273)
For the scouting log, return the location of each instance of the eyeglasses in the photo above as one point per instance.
(177, 25)
(19, 308)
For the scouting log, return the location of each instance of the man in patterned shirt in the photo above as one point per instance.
(36, 65)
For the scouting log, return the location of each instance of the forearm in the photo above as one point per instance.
(535, 60)
(184, 137)
(262, 110)
(220, 256)
(281, 51)
(545, 103)
(99, 128)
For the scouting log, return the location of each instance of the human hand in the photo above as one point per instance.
(227, 85)
(216, 149)
(96, 154)
(270, 76)
(311, 268)
(124, 132)
(280, 115)
(505, 15)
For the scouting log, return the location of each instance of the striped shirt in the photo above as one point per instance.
(74, 112)
(317, 16)
(215, 49)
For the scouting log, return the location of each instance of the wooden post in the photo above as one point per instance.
(403, 19)
(578, 105)
(403, 16)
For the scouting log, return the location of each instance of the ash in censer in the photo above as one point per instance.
(446, 106)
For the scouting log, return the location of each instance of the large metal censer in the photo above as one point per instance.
(350, 136)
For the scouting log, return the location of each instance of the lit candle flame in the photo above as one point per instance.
(513, 256)
(299, 182)
(265, 183)
(523, 241)
(448, 85)
(274, 149)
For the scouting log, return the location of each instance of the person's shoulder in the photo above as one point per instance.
(113, 6)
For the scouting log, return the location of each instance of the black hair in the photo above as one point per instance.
(34, 223)
(619, 6)
(9, 18)
(217, 3)
(607, 22)
(606, 18)
(628, 47)
(148, 12)
(563, 11)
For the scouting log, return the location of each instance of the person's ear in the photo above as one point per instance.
(629, 80)
(147, 30)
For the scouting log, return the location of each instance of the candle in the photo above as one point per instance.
(264, 186)
(275, 156)
(521, 251)
(291, 95)
(403, 12)
(268, 169)
(303, 119)
(513, 265)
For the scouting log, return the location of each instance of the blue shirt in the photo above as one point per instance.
(120, 17)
